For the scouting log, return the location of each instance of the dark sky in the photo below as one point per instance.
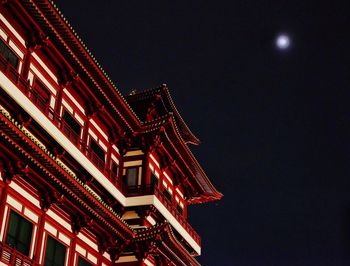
(274, 125)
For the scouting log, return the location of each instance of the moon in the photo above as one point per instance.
(283, 41)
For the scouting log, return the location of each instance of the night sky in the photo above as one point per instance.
(274, 125)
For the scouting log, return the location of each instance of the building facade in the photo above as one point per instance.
(87, 176)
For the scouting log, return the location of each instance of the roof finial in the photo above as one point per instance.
(133, 92)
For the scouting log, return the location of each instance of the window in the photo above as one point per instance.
(131, 176)
(7, 53)
(154, 179)
(114, 169)
(167, 194)
(83, 262)
(55, 254)
(72, 123)
(40, 95)
(97, 150)
(179, 209)
(19, 233)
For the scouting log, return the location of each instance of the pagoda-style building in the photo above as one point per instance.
(87, 176)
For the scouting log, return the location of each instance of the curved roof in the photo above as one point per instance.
(166, 241)
(183, 155)
(160, 101)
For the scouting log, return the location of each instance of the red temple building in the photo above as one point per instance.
(87, 176)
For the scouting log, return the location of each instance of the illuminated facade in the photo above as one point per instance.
(87, 176)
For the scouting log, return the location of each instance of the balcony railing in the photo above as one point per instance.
(95, 159)
(70, 133)
(39, 101)
(171, 207)
(11, 256)
(141, 190)
(128, 191)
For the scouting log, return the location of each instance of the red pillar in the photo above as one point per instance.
(85, 134)
(72, 250)
(108, 160)
(161, 177)
(120, 172)
(6, 177)
(39, 237)
(58, 103)
(26, 64)
(99, 259)
(3, 197)
(146, 170)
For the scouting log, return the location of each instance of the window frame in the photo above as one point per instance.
(92, 140)
(154, 179)
(11, 210)
(136, 177)
(179, 209)
(37, 88)
(6, 43)
(114, 172)
(167, 190)
(167, 194)
(58, 241)
(64, 111)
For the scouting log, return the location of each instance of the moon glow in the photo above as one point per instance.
(283, 41)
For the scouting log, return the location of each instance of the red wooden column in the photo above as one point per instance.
(185, 211)
(90, 113)
(72, 249)
(3, 197)
(26, 63)
(99, 259)
(46, 199)
(85, 134)
(147, 173)
(39, 237)
(161, 178)
(108, 159)
(146, 177)
(120, 173)
(58, 103)
(6, 177)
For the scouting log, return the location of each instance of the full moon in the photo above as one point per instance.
(282, 41)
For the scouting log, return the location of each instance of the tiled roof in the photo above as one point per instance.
(140, 101)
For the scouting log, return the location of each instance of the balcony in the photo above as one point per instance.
(74, 138)
(11, 256)
(171, 206)
(69, 132)
(95, 159)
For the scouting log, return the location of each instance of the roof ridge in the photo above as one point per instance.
(136, 92)
(94, 60)
(170, 98)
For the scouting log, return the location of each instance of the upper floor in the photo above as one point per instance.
(59, 93)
